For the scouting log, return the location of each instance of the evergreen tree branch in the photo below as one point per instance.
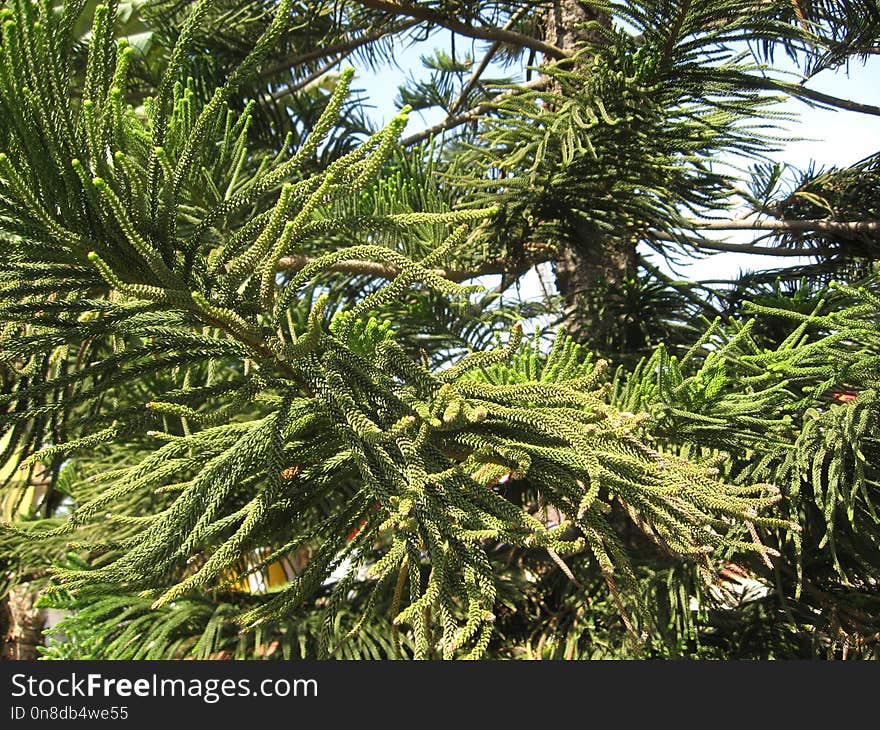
(808, 95)
(292, 264)
(339, 48)
(472, 114)
(484, 63)
(482, 32)
(831, 227)
(709, 245)
(301, 84)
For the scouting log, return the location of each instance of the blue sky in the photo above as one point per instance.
(828, 137)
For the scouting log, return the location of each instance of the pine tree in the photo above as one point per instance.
(238, 340)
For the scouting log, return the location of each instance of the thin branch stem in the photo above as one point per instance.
(356, 267)
(709, 245)
(482, 32)
(807, 95)
(341, 48)
(279, 94)
(674, 32)
(778, 227)
(471, 114)
(792, 226)
(848, 105)
(478, 71)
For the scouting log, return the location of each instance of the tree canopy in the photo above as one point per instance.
(269, 390)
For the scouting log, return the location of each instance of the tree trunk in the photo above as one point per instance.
(590, 268)
(590, 273)
(23, 623)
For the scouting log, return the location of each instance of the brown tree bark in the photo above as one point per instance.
(590, 273)
(590, 267)
(23, 623)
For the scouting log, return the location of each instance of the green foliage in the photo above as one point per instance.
(621, 140)
(803, 414)
(233, 347)
(145, 319)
